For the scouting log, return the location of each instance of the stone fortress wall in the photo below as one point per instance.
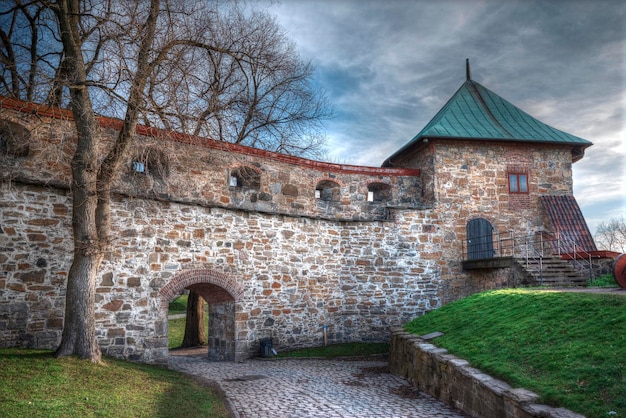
(279, 246)
(301, 261)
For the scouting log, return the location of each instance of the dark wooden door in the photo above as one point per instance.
(479, 239)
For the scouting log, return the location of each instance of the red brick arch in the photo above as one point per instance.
(222, 285)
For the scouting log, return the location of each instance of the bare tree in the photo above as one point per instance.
(30, 54)
(197, 85)
(264, 101)
(175, 64)
(611, 235)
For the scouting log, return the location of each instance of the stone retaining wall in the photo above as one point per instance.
(452, 380)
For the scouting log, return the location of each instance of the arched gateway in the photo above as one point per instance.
(221, 292)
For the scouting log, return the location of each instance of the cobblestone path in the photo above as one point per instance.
(290, 388)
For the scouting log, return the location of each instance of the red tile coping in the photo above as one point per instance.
(108, 122)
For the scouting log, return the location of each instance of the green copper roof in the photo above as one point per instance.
(476, 113)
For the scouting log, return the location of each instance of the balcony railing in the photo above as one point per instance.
(535, 247)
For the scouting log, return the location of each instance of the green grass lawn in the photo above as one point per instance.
(606, 280)
(178, 305)
(35, 384)
(175, 333)
(570, 348)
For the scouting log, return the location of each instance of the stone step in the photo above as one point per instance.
(552, 271)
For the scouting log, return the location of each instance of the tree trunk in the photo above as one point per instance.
(79, 329)
(194, 325)
(91, 178)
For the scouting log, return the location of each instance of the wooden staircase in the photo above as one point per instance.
(552, 271)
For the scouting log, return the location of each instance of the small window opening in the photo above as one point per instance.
(378, 192)
(518, 183)
(328, 191)
(139, 167)
(245, 177)
(14, 140)
(150, 161)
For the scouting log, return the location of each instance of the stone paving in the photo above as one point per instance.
(290, 388)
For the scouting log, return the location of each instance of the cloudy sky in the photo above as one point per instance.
(389, 66)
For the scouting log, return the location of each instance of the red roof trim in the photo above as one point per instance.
(107, 122)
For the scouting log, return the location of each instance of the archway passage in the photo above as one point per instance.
(188, 278)
(221, 292)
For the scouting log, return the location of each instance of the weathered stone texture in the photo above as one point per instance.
(469, 180)
(376, 248)
(297, 274)
(198, 172)
(33, 271)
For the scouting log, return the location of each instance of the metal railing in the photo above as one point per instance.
(568, 249)
(533, 249)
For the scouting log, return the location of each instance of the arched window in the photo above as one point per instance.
(378, 192)
(245, 177)
(151, 161)
(328, 191)
(14, 140)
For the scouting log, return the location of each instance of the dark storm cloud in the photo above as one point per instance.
(389, 66)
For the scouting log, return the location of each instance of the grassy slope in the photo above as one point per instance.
(178, 305)
(606, 280)
(568, 347)
(34, 384)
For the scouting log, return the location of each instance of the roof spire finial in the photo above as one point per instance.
(468, 72)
